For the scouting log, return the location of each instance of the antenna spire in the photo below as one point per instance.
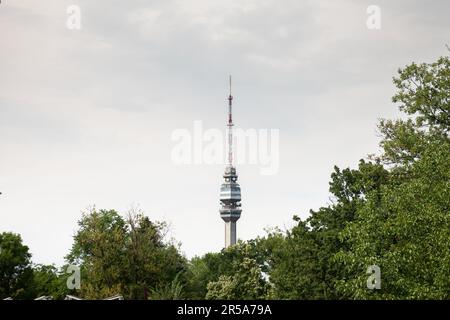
(230, 130)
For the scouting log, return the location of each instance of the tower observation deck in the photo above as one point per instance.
(230, 191)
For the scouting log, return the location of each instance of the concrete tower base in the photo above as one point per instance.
(230, 233)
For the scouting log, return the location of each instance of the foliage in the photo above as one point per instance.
(168, 291)
(405, 227)
(302, 263)
(244, 280)
(15, 267)
(123, 256)
(49, 281)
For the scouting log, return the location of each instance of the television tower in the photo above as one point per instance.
(230, 191)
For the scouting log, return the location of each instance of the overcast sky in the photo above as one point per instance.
(86, 116)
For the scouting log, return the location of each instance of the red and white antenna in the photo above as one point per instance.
(230, 128)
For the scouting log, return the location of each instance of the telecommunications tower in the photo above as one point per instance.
(230, 191)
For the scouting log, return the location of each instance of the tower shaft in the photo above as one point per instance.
(230, 233)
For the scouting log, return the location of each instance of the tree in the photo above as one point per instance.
(15, 267)
(243, 281)
(48, 281)
(168, 291)
(226, 263)
(199, 274)
(301, 263)
(98, 249)
(123, 256)
(404, 228)
(152, 263)
(423, 91)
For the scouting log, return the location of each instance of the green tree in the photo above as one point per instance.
(210, 267)
(199, 274)
(98, 249)
(404, 228)
(49, 281)
(168, 291)
(244, 280)
(127, 256)
(301, 263)
(15, 267)
(152, 263)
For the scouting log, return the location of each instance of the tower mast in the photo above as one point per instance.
(230, 191)
(230, 128)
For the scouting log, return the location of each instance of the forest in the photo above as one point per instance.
(392, 211)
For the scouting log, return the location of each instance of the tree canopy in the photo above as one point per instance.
(127, 256)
